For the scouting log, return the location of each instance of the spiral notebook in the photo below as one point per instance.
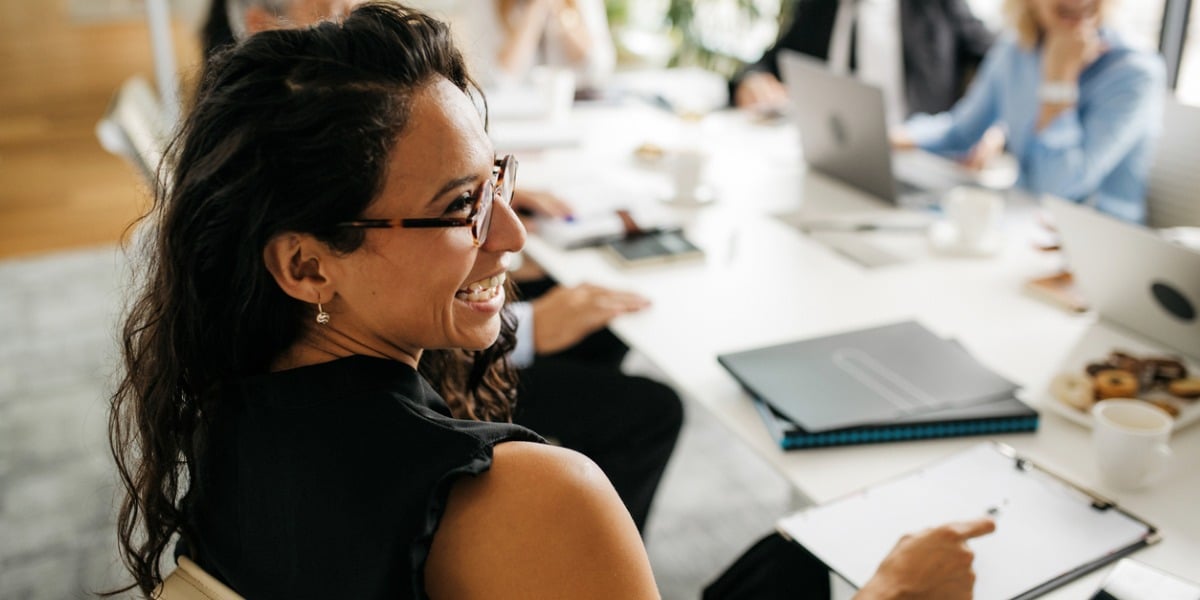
(1048, 530)
(900, 375)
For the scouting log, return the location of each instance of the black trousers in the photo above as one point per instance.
(581, 400)
(773, 568)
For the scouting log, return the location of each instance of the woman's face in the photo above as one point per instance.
(410, 289)
(1064, 14)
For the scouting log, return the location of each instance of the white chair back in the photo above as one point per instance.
(1173, 190)
(189, 582)
(135, 127)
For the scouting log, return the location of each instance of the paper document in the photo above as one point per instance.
(1047, 531)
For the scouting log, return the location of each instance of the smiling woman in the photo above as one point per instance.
(271, 412)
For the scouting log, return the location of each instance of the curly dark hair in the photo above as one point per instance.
(291, 131)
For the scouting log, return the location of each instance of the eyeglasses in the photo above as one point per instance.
(499, 187)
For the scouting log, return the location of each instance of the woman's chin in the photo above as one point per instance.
(482, 339)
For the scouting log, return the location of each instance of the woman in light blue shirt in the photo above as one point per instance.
(1080, 109)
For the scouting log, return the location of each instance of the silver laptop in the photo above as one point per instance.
(1131, 276)
(844, 133)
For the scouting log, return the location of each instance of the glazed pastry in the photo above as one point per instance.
(1161, 371)
(1115, 383)
(1185, 388)
(1074, 389)
(1125, 362)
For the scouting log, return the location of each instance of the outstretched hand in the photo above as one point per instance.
(540, 204)
(935, 563)
(563, 316)
(761, 91)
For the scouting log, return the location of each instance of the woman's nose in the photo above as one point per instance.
(506, 233)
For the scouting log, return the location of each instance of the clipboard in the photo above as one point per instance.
(1049, 531)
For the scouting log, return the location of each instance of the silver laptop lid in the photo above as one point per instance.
(843, 127)
(1133, 277)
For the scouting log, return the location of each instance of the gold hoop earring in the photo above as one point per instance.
(322, 316)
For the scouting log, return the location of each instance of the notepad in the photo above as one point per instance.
(866, 377)
(1048, 531)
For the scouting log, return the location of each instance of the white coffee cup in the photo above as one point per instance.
(1129, 438)
(974, 213)
(687, 167)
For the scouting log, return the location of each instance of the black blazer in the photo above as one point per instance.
(943, 43)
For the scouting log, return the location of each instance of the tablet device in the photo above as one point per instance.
(653, 248)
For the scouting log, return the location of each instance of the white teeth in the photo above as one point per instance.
(482, 290)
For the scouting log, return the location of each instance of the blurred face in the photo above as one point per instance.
(302, 13)
(410, 289)
(299, 13)
(1064, 14)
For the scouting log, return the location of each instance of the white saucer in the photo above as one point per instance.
(943, 236)
(703, 195)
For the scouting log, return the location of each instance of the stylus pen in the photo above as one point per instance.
(863, 226)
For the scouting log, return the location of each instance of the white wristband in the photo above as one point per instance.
(1058, 92)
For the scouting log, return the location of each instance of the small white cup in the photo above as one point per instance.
(975, 214)
(687, 167)
(1130, 442)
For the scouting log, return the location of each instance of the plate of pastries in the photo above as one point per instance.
(1164, 381)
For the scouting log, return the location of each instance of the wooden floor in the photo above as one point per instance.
(58, 188)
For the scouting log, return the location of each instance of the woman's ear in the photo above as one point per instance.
(299, 264)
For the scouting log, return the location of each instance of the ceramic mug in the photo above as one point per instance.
(975, 214)
(1129, 438)
(687, 167)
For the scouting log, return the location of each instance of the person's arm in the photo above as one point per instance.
(957, 130)
(523, 31)
(758, 84)
(543, 522)
(583, 29)
(522, 354)
(1074, 151)
(563, 316)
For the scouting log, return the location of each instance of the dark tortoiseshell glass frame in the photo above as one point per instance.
(480, 217)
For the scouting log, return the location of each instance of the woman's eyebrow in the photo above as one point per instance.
(453, 183)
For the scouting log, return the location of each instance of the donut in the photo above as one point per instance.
(1185, 388)
(1125, 362)
(1074, 389)
(1115, 383)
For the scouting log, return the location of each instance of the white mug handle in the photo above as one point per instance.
(1163, 453)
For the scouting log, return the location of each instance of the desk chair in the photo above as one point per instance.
(189, 582)
(1171, 197)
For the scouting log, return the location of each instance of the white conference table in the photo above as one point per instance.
(763, 282)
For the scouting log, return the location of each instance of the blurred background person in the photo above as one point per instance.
(1080, 107)
(921, 53)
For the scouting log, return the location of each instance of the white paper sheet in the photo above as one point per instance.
(1045, 528)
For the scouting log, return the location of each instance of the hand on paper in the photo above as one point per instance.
(987, 148)
(540, 204)
(935, 563)
(564, 316)
(900, 139)
(760, 91)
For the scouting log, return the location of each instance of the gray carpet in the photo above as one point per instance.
(58, 317)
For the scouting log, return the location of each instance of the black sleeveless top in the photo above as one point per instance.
(328, 481)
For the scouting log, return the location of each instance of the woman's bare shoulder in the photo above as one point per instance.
(542, 522)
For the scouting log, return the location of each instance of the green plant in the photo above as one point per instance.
(692, 48)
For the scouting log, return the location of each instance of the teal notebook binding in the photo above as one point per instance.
(1006, 415)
